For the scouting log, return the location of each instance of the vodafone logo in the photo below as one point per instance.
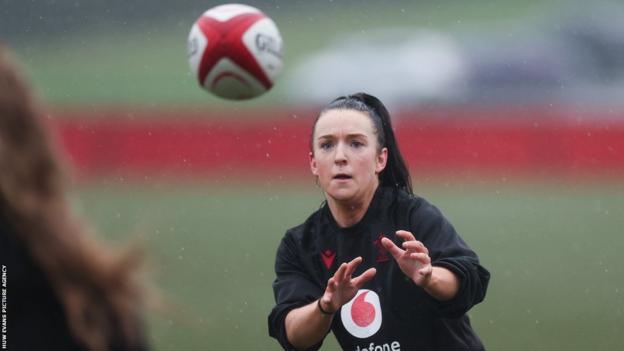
(362, 315)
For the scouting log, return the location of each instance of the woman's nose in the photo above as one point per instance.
(340, 155)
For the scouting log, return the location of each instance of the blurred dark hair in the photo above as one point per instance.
(396, 174)
(95, 285)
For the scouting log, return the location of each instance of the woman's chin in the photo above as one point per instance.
(341, 194)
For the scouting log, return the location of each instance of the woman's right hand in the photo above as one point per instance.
(341, 288)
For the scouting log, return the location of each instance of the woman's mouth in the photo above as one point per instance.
(342, 176)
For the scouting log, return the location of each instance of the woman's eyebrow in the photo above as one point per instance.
(351, 135)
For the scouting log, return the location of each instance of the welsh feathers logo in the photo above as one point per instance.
(362, 315)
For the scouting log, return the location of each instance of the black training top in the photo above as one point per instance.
(390, 312)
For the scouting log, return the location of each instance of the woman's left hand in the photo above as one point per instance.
(413, 259)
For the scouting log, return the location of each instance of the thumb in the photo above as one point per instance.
(394, 250)
(329, 291)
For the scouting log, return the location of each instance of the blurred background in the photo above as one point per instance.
(510, 114)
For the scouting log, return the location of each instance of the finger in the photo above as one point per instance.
(405, 235)
(351, 266)
(364, 277)
(327, 298)
(328, 295)
(329, 292)
(414, 245)
(421, 257)
(344, 277)
(394, 250)
(339, 275)
(426, 270)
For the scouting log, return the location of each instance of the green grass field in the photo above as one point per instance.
(147, 64)
(553, 250)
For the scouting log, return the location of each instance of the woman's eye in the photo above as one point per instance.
(326, 146)
(356, 144)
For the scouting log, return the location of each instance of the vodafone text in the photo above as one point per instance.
(394, 346)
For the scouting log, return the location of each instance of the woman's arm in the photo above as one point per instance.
(415, 263)
(442, 285)
(307, 326)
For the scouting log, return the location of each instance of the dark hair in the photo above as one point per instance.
(395, 174)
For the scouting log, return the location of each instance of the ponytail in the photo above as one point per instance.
(395, 174)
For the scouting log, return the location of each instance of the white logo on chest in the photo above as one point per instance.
(362, 315)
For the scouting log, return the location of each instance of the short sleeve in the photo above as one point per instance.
(294, 286)
(448, 250)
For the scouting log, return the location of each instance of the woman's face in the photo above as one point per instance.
(345, 155)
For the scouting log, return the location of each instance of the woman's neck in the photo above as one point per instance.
(347, 213)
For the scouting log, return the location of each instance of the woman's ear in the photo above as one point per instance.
(382, 160)
(313, 167)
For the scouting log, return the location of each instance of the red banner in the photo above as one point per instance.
(497, 142)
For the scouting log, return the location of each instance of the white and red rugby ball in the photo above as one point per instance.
(235, 51)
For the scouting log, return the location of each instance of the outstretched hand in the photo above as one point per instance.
(341, 288)
(413, 259)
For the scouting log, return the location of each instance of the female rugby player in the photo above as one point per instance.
(380, 267)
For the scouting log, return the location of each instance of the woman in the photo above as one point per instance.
(63, 291)
(380, 267)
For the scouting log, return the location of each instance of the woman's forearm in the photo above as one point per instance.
(443, 284)
(307, 326)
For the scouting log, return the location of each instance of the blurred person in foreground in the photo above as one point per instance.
(380, 267)
(63, 290)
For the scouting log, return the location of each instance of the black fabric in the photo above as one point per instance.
(35, 317)
(411, 318)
